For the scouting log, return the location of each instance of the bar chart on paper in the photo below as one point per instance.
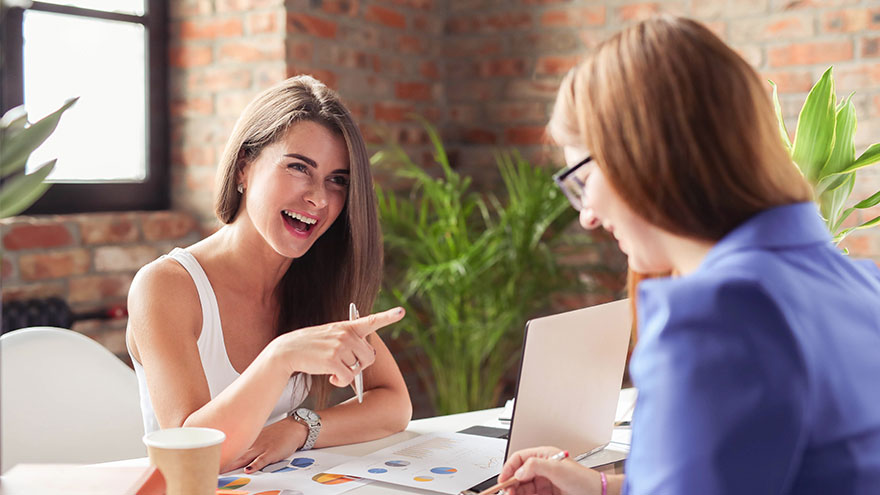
(442, 462)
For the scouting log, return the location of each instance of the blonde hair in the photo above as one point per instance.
(345, 263)
(682, 127)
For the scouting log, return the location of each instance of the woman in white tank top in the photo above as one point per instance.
(232, 332)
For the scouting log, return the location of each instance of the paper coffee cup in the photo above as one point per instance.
(188, 458)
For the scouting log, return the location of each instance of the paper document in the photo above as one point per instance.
(441, 462)
(304, 473)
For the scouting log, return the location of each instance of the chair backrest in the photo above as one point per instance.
(64, 398)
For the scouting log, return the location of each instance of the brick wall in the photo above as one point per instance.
(87, 260)
(382, 55)
(504, 59)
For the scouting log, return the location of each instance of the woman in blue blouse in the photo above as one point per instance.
(758, 364)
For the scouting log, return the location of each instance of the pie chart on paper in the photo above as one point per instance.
(444, 470)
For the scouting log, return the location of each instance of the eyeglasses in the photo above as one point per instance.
(572, 185)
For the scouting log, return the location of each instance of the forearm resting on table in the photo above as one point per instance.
(241, 410)
(385, 411)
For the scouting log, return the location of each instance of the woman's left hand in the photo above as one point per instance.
(274, 443)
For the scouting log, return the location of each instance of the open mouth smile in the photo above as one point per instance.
(298, 224)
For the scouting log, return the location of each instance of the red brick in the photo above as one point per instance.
(7, 269)
(309, 24)
(518, 111)
(525, 135)
(190, 8)
(24, 236)
(252, 51)
(717, 27)
(337, 7)
(412, 4)
(189, 56)
(856, 78)
(533, 89)
(463, 114)
(574, 17)
(774, 28)
(167, 225)
(108, 229)
(192, 107)
(56, 264)
(387, 17)
(637, 11)
(224, 6)
(391, 112)
(820, 52)
(124, 259)
(479, 136)
(429, 69)
(753, 54)
(858, 244)
(229, 103)
(214, 79)
(871, 47)
(329, 78)
(95, 288)
(413, 91)
(790, 81)
(542, 2)
(194, 155)
(40, 290)
(471, 47)
(211, 29)
(556, 65)
(502, 67)
(410, 44)
(262, 23)
(851, 20)
(509, 21)
(199, 180)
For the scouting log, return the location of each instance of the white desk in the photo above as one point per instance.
(614, 453)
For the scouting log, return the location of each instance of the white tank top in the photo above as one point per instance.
(212, 350)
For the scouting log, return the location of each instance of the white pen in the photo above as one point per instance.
(359, 377)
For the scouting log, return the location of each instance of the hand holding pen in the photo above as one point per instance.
(511, 482)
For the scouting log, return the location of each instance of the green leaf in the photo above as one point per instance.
(843, 151)
(869, 157)
(782, 130)
(22, 190)
(15, 149)
(874, 200)
(815, 128)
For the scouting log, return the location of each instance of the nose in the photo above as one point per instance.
(588, 219)
(316, 196)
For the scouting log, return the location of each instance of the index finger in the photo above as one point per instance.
(368, 324)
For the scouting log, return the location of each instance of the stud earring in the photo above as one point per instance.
(240, 188)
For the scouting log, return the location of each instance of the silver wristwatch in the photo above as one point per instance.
(312, 421)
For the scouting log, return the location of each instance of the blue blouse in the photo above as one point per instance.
(759, 373)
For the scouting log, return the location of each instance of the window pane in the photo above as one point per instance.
(103, 136)
(134, 7)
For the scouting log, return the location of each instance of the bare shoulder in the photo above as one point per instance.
(163, 294)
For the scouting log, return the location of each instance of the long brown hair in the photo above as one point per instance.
(343, 265)
(682, 127)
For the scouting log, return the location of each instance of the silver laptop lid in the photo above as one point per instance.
(570, 377)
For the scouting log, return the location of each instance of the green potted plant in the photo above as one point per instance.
(17, 141)
(470, 269)
(824, 151)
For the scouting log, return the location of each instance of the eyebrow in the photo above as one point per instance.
(313, 163)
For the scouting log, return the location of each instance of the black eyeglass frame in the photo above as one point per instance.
(567, 174)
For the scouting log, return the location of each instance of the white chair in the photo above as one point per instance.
(64, 398)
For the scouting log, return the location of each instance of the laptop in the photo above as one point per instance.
(569, 382)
